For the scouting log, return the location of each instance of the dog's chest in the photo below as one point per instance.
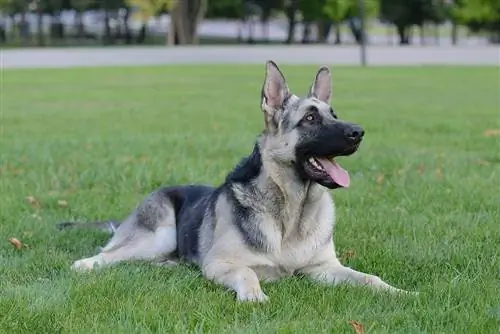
(295, 236)
(296, 254)
(288, 259)
(289, 253)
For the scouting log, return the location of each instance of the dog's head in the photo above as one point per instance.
(305, 132)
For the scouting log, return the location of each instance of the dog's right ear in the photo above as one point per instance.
(274, 94)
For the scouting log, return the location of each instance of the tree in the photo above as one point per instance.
(312, 12)
(267, 8)
(80, 6)
(479, 15)
(12, 7)
(337, 11)
(145, 9)
(5, 6)
(407, 13)
(291, 8)
(108, 6)
(185, 15)
(225, 8)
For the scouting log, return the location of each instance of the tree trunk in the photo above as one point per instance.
(251, 30)
(306, 36)
(107, 29)
(40, 34)
(323, 28)
(128, 34)
(13, 30)
(338, 33)
(436, 33)
(3, 33)
(356, 30)
(422, 34)
(80, 28)
(24, 29)
(291, 12)
(454, 33)
(265, 30)
(403, 34)
(141, 36)
(185, 17)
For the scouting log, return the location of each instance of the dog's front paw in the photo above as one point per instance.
(252, 295)
(410, 293)
(85, 264)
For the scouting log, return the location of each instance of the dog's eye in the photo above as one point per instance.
(310, 118)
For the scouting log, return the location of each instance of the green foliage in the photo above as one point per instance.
(339, 10)
(81, 5)
(312, 10)
(12, 6)
(149, 8)
(487, 11)
(412, 12)
(225, 8)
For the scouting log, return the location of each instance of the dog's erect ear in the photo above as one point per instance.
(322, 85)
(274, 93)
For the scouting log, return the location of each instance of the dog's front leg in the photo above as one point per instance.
(242, 280)
(328, 269)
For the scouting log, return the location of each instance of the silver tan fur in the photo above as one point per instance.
(272, 217)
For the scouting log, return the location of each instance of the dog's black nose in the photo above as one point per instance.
(354, 132)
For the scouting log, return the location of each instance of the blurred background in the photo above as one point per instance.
(179, 22)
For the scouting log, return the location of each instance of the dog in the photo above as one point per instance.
(272, 217)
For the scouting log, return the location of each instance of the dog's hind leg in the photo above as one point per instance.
(147, 234)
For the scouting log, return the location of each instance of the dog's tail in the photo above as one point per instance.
(109, 226)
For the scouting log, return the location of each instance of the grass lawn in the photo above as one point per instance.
(422, 212)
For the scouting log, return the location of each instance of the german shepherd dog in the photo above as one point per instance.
(272, 217)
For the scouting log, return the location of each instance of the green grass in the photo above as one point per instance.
(422, 212)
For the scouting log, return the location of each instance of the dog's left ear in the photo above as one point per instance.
(274, 94)
(322, 85)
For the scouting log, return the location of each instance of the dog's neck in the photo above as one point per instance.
(284, 190)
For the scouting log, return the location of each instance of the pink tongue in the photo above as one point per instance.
(338, 174)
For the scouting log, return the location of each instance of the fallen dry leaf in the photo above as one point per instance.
(17, 171)
(439, 173)
(482, 162)
(16, 243)
(420, 169)
(62, 203)
(127, 159)
(491, 133)
(32, 201)
(348, 255)
(380, 179)
(357, 326)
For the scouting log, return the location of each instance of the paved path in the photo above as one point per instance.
(309, 54)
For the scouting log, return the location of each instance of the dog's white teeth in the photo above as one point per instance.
(315, 163)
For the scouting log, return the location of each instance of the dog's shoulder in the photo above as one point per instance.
(247, 169)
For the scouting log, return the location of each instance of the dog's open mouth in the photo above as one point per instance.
(329, 168)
